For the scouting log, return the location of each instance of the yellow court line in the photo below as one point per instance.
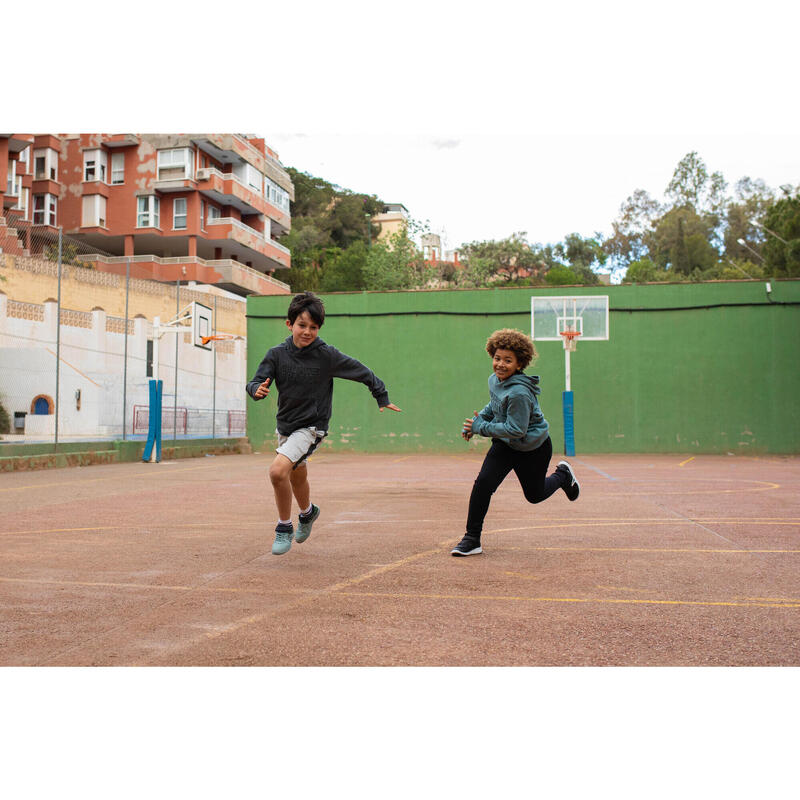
(598, 600)
(691, 458)
(99, 480)
(398, 460)
(552, 525)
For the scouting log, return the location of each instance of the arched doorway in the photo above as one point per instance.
(42, 404)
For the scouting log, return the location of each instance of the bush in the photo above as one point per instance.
(5, 422)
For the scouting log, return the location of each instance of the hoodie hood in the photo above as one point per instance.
(530, 382)
(301, 351)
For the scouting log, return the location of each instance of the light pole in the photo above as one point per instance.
(743, 243)
(765, 228)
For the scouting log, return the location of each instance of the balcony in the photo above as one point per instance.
(225, 273)
(228, 228)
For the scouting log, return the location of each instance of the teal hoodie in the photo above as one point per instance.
(513, 414)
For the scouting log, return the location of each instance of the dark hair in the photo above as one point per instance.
(306, 301)
(514, 340)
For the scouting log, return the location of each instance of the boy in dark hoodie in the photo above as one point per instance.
(519, 433)
(303, 368)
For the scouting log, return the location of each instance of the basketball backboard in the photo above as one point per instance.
(586, 313)
(202, 325)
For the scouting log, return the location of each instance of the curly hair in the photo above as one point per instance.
(516, 341)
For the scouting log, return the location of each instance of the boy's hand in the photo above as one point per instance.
(392, 406)
(466, 430)
(263, 390)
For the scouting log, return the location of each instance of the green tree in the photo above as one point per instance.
(505, 259)
(561, 276)
(681, 243)
(632, 228)
(644, 270)
(344, 271)
(5, 422)
(782, 255)
(396, 263)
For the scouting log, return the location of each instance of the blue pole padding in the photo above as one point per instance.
(154, 422)
(569, 424)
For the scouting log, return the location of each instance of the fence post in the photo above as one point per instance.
(58, 341)
(177, 336)
(214, 388)
(125, 359)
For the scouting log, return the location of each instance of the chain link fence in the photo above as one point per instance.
(77, 347)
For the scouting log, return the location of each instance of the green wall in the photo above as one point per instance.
(716, 379)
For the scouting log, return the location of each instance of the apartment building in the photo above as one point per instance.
(207, 208)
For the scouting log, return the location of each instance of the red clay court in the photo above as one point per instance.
(664, 560)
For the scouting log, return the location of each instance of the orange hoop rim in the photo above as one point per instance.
(569, 334)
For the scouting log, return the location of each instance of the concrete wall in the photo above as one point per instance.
(689, 368)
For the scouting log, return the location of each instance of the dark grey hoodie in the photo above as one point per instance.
(304, 377)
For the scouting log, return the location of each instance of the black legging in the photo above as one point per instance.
(531, 469)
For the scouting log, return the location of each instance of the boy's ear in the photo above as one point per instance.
(288, 324)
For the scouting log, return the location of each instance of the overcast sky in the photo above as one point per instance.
(488, 186)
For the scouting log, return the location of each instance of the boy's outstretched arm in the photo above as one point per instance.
(343, 366)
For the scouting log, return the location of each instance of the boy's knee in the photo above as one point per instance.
(534, 496)
(279, 470)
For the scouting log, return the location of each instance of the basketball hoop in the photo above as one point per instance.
(219, 337)
(570, 340)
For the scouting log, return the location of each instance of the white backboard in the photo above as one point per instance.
(202, 325)
(587, 313)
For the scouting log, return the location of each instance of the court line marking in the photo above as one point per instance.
(550, 525)
(117, 478)
(691, 458)
(598, 600)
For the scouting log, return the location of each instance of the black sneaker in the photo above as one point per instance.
(571, 488)
(468, 546)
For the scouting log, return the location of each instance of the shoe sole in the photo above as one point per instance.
(575, 483)
(299, 538)
(473, 552)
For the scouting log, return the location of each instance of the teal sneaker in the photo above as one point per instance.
(283, 539)
(305, 523)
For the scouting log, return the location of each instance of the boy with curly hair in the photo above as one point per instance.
(303, 368)
(519, 433)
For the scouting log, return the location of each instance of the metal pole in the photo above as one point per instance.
(177, 336)
(214, 388)
(125, 360)
(58, 340)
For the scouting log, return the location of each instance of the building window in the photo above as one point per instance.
(95, 163)
(94, 211)
(117, 168)
(174, 164)
(22, 201)
(147, 212)
(149, 360)
(179, 213)
(254, 178)
(44, 209)
(45, 164)
(12, 178)
(23, 156)
(213, 213)
(202, 215)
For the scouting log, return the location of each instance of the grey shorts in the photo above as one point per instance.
(298, 446)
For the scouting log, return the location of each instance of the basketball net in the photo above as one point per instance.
(570, 339)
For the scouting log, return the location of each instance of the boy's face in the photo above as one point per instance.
(505, 363)
(304, 330)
